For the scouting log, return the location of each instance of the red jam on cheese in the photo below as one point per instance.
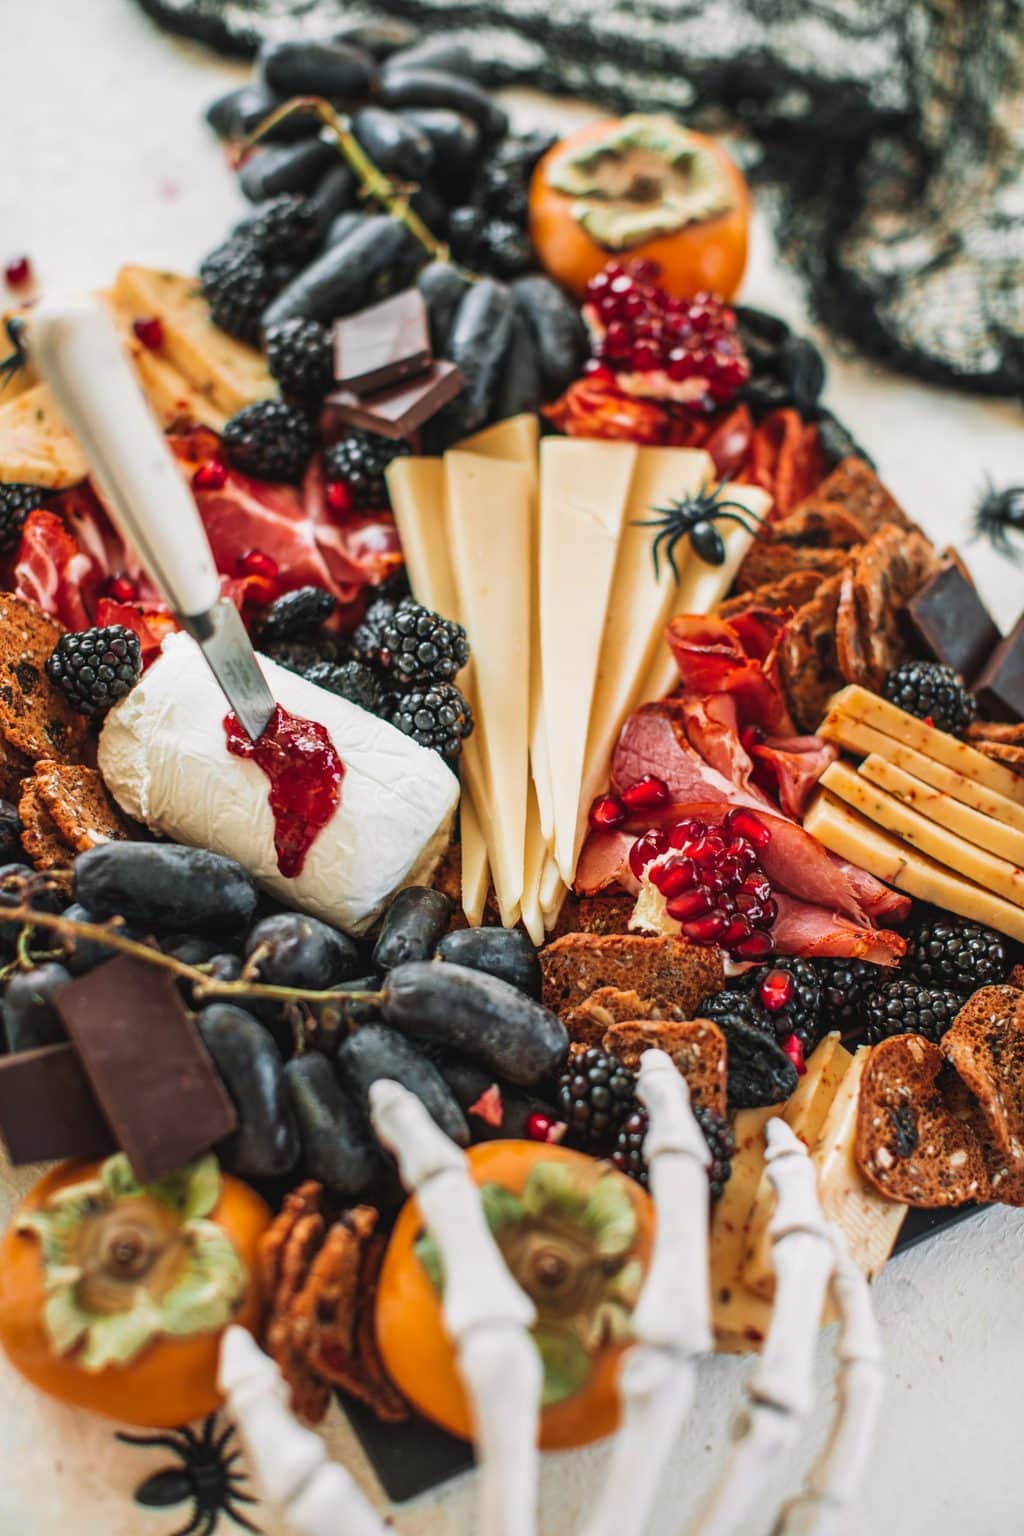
(305, 774)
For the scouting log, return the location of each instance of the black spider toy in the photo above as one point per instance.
(695, 517)
(206, 1475)
(999, 514)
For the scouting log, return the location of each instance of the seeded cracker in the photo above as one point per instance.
(808, 662)
(769, 562)
(669, 971)
(791, 591)
(697, 1049)
(35, 718)
(886, 573)
(986, 1046)
(79, 806)
(40, 837)
(909, 1144)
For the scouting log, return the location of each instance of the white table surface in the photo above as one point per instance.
(105, 160)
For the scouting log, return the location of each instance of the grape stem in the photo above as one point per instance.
(204, 984)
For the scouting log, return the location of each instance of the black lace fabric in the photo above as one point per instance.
(891, 133)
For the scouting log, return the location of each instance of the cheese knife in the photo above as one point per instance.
(76, 348)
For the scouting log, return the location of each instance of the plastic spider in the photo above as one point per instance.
(695, 518)
(15, 361)
(999, 513)
(206, 1475)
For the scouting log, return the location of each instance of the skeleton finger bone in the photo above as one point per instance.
(671, 1321)
(780, 1388)
(485, 1312)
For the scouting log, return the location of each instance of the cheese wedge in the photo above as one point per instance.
(804, 1113)
(534, 862)
(553, 891)
(981, 830)
(476, 871)
(740, 1318)
(516, 439)
(489, 522)
(638, 607)
(985, 869)
(855, 838)
(35, 444)
(854, 736)
(863, 705)
(869, 1222)
(702, 587)
(171, 396)
(227, 371)
(584, 492)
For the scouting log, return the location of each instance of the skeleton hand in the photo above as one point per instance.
(488, 1318)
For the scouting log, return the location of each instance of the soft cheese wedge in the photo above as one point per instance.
(985, 869)
(584, 493)
(702, 586)
(164, 758)
(984, 831)
(864, 740)
(228, 372)
(638, 608)
(804, 1113)
(35, 445)
(739, 1317)
(861, 704)
(489, 523)
(855, 838)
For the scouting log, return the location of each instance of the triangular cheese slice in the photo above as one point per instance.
(35, 444)
(584, 492)
(476, 871)
(172, 398)
(490, 524)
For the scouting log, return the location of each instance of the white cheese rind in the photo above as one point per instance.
(163, 754)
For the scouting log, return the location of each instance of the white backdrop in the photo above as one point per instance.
(105, 159)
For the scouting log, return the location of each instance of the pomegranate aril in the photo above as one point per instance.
(776, 990)
(256, 563)
(688, 904)
(677, 876)
(706, 930)
(743, 823)
(18, 272)
(737, 930)
(647, 794)
(210, 477)
(769, 912)
(794, 1049)
(339, 497)
(757, 947)
(607, 811)
(150, 332)
(751, 736)
(758, 886)
(708, 849)
(644, 357)
(646, 849)
(540, 1127)
(686, 832)
(121, 589)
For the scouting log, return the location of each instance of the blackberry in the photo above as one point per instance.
(418, 646)
(846, 987)
(595, 1094)
(905, 1008)
(269, 440)
(349, 680)
(437, 717)
(17, 500)
(301, 358)
(367, 640)
(628, 1156)
(238, 284)
(734, 1005)
(504, 249)
(299, 656)
(949, 952)
(300, 612)
(359, 461)
(94, 668)
(802, 1014)
(285, 229)
(931, 690)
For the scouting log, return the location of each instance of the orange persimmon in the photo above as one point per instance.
(568, 1281)
(702, 253)
(170, 1380)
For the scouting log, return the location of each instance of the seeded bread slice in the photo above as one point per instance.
(79, 806)
(697, 1048)
(669, 971)
(35, 718)
(588, 1024)
(986, 1047)
(40, 837)
(1006, 1180)
(790, 591)
(909, 1144)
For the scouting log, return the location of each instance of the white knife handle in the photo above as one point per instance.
(76, 348)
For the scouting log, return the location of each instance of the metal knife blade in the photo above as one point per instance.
(222, 638)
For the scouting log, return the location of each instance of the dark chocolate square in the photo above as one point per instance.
(952, 623)
(378, 347)
(400, 411)
(1000, 683)
(47, 1109)
(147, 1065)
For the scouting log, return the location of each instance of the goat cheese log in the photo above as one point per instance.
(163, 753)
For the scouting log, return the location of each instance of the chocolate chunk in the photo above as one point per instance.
(1000, 683)
(47, 1109)
(378, 347)
(952, 623)
(401, 410)
(147, 1065)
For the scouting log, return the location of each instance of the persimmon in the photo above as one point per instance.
(583, 1274)
(84, 1340)
(646, 189)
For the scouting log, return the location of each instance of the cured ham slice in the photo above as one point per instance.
(814, 932)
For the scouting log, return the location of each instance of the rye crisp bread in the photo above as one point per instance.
(35, 718)
(79, 806)
(883, 577)
(768, 562)
(589, 1022)
(997, 731)
(985, 1045)
(39, 836)
(1004, 752)
(13, 768)
(601, 914)
(854, 490)
(696, 1047)
(791, 592)
(909, 1145)
(668, 970)
(808, 663)
(1006, 1179)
